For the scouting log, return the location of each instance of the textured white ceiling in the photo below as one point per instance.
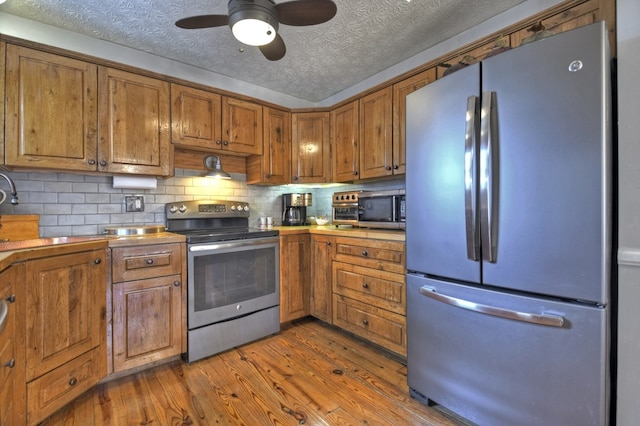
(364, 38)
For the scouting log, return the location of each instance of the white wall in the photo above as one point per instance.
(628, 47)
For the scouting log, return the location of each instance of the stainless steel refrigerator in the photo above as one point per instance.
(508, 198)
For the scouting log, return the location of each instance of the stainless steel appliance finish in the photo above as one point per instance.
(384, 209)
(233, 288)
(294, 208)
(344, 208)
(509, 195)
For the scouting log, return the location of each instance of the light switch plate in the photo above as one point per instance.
(134, 203)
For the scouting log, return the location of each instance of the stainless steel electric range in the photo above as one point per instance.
(233, 288)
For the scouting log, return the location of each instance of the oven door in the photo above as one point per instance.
(232, 278)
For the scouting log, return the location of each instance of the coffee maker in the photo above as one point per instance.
(294, 208)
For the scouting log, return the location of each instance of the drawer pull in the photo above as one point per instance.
(10, 364)
(365, 285)
(149, 261)
(365, 321)
(176, 283)
(97, 261)
(365, 253)
(73, 381)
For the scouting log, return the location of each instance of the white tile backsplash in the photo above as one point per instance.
(76, 204)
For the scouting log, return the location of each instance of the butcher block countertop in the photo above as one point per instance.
(377, 234)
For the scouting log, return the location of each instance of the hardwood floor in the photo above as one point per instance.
(309, 373)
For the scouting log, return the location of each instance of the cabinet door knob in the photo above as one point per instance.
(355, 173)
(395, 167)
(218, 142)
(328, 243)
(267, 175)
(10, 364)
(225, 143)
(92, 162)
(365, 321)
(365, 285)
(73, 381)
(103, 163)
(148, 261)
(294, 177)
(387, 167)
(365, 253)
(97, 261)
(11, 298)
(176, 283)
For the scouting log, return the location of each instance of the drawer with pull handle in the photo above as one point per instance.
(140, 262)
(62, 385)
(379, 288)
(379, 326)
(378, 254)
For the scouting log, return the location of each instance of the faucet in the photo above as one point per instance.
(14, 194)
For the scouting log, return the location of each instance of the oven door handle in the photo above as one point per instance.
(235, 243)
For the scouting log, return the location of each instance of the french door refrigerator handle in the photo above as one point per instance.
(488, 185)
(540, 319)
(473, 243)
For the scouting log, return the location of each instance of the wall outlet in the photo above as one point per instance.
(134, 203)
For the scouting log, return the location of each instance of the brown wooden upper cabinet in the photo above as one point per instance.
(204, 120)
(376, 137)
(273, 167)
(344, 134)
(310, 147)
(400, 92)
(67, 114)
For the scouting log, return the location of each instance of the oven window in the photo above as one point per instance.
(232, 277)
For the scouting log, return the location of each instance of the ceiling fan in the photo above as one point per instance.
(255, 22)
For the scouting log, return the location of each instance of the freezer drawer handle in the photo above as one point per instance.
(541, 319)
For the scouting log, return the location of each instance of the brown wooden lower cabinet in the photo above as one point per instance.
(294, 276)
(11, 364)
(64, 318)
(147, 304)
(369, 292)
(321, 305)
(146, 321)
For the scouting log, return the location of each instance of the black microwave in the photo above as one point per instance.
(382, 209)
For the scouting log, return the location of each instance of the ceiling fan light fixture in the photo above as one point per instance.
(254, 23)
(253, 32)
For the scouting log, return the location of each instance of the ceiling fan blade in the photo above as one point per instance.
(305, 12)
(275, 50)
(202, 21)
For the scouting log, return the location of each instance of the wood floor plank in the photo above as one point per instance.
(309, 373)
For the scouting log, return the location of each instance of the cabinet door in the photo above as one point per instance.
(294, 277)
(344, 135)
(134, 124)
(400, 92)
(66, 302)
(51, 111)
(376, 144)
(11, 364)
(274, 165)
(321, 290)
(310, 147)
(147, 321)
(195, 118)
(241, 126)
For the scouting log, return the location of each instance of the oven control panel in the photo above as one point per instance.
(207, 209)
